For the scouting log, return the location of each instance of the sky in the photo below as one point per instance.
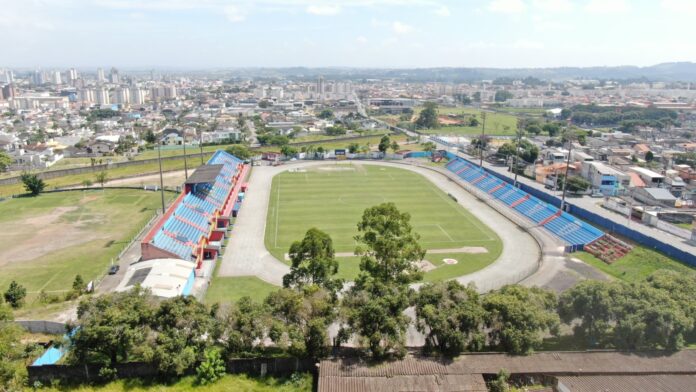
(201, 34)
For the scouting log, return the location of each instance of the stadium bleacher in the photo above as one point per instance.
(192, 218)
(568, 228)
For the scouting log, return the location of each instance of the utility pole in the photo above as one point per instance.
(483, 135)
(183, 135)
(565, 178)
(159, 159)
(517, 153)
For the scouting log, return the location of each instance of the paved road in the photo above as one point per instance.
(247, 255)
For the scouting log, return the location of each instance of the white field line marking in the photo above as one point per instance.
(277, 213)
(446, 233)
(447, 201)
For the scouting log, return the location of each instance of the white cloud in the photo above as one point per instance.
(401, 28)
(554, 5)
(324, 9)
(607, 6)
(442, 11)
(234, 14)
(361, 39)
(507, 6)
(526, 44)
(679, 6)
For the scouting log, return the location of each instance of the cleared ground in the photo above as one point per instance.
(47, 240)
(333, 197)
(637, 265)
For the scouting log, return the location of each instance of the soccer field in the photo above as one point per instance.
(333, 197)
(50, 238)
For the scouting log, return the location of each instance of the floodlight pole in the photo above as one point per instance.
(517, 153)
(483, 135)
(159, 159)
(565, 179)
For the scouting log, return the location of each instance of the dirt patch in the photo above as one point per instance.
(41, 235)
(425, 266)
(444, 120)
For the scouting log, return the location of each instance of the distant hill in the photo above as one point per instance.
(668, 72)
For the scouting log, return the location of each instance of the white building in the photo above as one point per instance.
(137, 96)
(101, 96)
(165, 278)
(122, 96)
(100, 75)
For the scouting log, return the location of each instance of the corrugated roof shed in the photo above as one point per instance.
(632, 383)
(351, 374)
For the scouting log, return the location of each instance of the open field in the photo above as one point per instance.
(499, 124)
(315, 138)
(55, 236)
(224, 289)
(135, 170)
(227, 383)
(333, 197)
(636, 265)
(372, 141)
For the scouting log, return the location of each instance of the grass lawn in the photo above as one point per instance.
(372, 141)
(686, 226)
(499, 124)
(230, 289)
(333, 198)
(636, 265)
(128, 171)
(241, 383)
(314, 138)
(56, 236)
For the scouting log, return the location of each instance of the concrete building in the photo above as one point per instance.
(651, 179)
(165, 278)
(100, 75)
(605, 179)
(122, 95)
(101, 96)
(138, 96)
(654, 196)
(114, 76)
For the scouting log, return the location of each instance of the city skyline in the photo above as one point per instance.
(351, 33)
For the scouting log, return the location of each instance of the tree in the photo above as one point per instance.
(11, 350)
(5, 161)
(264, 104)
(353, 148)
(503, 95)
(384, 143)
(649, 156)
(150, 137)
(15, 295)
(313, 262)
(427, 119)
(507, 150)
(591, 302)
(429, 146)
(551, 128)
(500, 383)
(181, 325)
(375, 304)
(326, 114)
(394, 146)
(239, 150)
(533, 129)
(211, 369)
(241, 328)
(78, 285)
(577, 184)
(517, 317)
(102, 178)
(113, 327)
(451, 317)
(301, 318)
(32, 183)
(389, 248)
(288, 150)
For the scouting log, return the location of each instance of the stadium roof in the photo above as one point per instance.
(164, 277)
(205, 174)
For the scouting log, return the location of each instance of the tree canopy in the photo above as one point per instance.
(313, 262)
(427, 118)
(32, 183)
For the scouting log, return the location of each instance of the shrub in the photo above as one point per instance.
(211, 369)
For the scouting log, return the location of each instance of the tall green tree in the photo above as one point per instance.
(591, 303)
(427, 118)
(313, 262)
(451, 316)
(301, 318)
(113, 328)
(241, 327)
(181, 326)
(15, 295)
(102, 177)
(5, 161)
(239, 150)
(384, 144)
(376, 302)
(517, 317)
(11, 350)
(32, 183)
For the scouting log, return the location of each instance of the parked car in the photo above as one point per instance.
(114, 269)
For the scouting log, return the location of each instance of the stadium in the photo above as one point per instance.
(475, 227)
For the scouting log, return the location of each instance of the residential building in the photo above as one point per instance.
(604, 178)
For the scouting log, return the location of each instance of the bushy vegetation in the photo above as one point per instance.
(627, 118)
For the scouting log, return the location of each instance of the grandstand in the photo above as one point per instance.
(195, 225)
(574, 232)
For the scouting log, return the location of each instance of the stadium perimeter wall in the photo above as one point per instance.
(604, 223)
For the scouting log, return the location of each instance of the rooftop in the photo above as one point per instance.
(205, 174)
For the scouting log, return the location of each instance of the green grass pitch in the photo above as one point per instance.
(53, 237)
(333, 198)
